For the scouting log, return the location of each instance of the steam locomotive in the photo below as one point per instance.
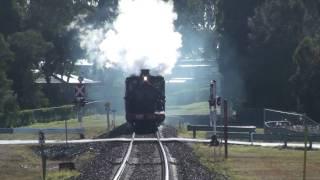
(145, 101)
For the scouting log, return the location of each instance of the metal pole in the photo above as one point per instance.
(108, 120)
(305, 149)
(66, 128)
(225, 105)
(114, 119)
(214, 121)
(43, 156)
(264, 119)
(210, 116)
(212, 101)
(80, 110)
(80, 118)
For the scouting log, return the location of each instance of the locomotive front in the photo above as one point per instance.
(145, 101)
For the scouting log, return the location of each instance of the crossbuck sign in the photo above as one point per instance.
(80, 90)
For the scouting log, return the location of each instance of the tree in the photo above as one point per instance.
(51, 19)
(275, 31)
(306, 80)
(196, 23)
(9, 17)
(30, 49)
(232, 27)
(8, 105)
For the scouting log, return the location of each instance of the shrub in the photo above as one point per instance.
(45, 115)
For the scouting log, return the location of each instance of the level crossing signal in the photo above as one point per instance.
(80, 90)
(219, 101)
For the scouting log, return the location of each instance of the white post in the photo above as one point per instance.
(251, 138)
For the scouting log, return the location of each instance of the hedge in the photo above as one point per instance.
(45, 115)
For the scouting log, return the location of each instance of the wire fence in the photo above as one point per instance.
(288, 122)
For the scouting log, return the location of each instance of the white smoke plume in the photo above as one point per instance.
(142, 36)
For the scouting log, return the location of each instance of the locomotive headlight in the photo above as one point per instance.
(145, 78)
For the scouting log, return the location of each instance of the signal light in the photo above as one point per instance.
(82, 102)
(145, 78)
(219, 102)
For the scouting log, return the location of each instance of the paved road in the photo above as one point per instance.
(265, 144)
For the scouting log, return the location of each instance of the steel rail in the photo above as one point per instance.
(125, 160)
(165, 173)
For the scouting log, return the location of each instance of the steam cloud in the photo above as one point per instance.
(142, 36)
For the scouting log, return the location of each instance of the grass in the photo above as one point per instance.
(259, 130)
(249, 162)
(198, 108)
(20, 162)
(94, 125)
(255, 163)
(62, 175)
(183, 132)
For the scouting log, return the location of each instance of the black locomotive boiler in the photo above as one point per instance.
(145, 101)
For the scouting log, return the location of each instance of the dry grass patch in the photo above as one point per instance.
(248, 162)
(94, 125)
(255, 163)
(18, 162)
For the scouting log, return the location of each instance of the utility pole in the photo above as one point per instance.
(225, 108)
(305, 148)
(43, 156)
(213, 119)
(107, 109)
(113, 118)
(80, 91)
(212, 105)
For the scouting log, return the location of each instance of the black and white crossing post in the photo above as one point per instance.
(212, 105)
(80, 92)
(213, 120)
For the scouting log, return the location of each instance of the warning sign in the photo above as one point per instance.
(80, 90)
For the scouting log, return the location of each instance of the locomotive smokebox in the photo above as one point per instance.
(145, 101)
(144, 74)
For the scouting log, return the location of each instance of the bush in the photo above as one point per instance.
(45, 115)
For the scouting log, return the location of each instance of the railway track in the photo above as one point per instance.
(141, 155)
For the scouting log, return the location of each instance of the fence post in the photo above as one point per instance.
(113, 118)
(285, 141)
(305, 148)
(107, 109)
(66, 130)
(43, 156)
(194, 133)
(310, 143)
(225, 105)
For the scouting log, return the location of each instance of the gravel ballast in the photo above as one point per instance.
(144, 163)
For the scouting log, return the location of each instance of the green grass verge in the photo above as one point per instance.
(183, 132)
(94, 125)
(198, 108)
(62, 175)
(255, 163)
